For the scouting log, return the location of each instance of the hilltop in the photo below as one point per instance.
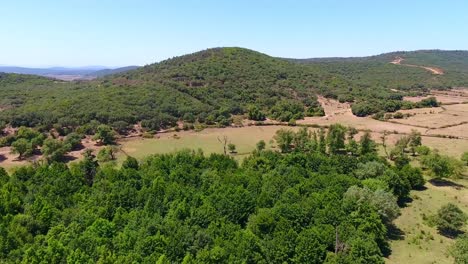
(212, 85)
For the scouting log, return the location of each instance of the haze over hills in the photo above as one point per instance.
(65, 73)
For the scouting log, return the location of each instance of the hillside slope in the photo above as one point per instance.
(379, 71)
(207, 86)
(106, 72)
(211, 85)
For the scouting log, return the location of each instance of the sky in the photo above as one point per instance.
(137, 32)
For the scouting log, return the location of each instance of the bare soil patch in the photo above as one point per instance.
(336, 112)
(448, 120)
(454, 96)
(433, 70)
(9, 160)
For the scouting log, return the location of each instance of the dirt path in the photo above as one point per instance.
(433, 70)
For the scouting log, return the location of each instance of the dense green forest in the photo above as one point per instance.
(211, 86)
(376, 71)
(325, 198)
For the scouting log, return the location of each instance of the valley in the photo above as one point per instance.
(224, 102)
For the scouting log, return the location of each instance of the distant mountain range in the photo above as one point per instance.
(68, 74)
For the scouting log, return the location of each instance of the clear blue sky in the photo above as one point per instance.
(137, 32)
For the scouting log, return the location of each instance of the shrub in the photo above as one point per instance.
(464, 158)
(450, 219)
(398, 115)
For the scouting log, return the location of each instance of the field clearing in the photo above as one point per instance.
(455, 96)
(457, 131)
(435, 118)
(420, 243)
(336, 112)
(245, 139)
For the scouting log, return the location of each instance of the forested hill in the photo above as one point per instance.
(379, 71)
(212, 85)
(230, 77)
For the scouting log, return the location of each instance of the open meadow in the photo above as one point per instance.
(415, 241)
(432, 123)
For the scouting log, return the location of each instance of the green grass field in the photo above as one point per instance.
(244, 138)
(420, 243)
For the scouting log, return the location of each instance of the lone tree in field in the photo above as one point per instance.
(383, 137)
(107, 154)
(450, 219)
(232, 148)
(284, 139)
(414, 141)
(22, 147)
(261, 145)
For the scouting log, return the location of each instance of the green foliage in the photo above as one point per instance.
(310, 247)
(464, 158)
(130, 163)
(189, 208)
(105, 134)
(414, 176)
(232, 148)
(261, 145)
(22, 147)
(423, 150)
(375, 184)
(256, 114)
(107, 154)
(54, 149)
(398, 183)
(73, 140)
(414, 141)
(284, 139)
(384, 202)
(336, 138)
(460, 250)
(450, 219)
(211, 85)
(367, 145)
(363, 250)
(442, 166)
(371, 169)
(286, 110)
(121, 127)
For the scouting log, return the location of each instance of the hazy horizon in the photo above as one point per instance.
(177, 55)
(55, 33)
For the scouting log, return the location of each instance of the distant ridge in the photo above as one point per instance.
(106, 72)
(64, 73)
